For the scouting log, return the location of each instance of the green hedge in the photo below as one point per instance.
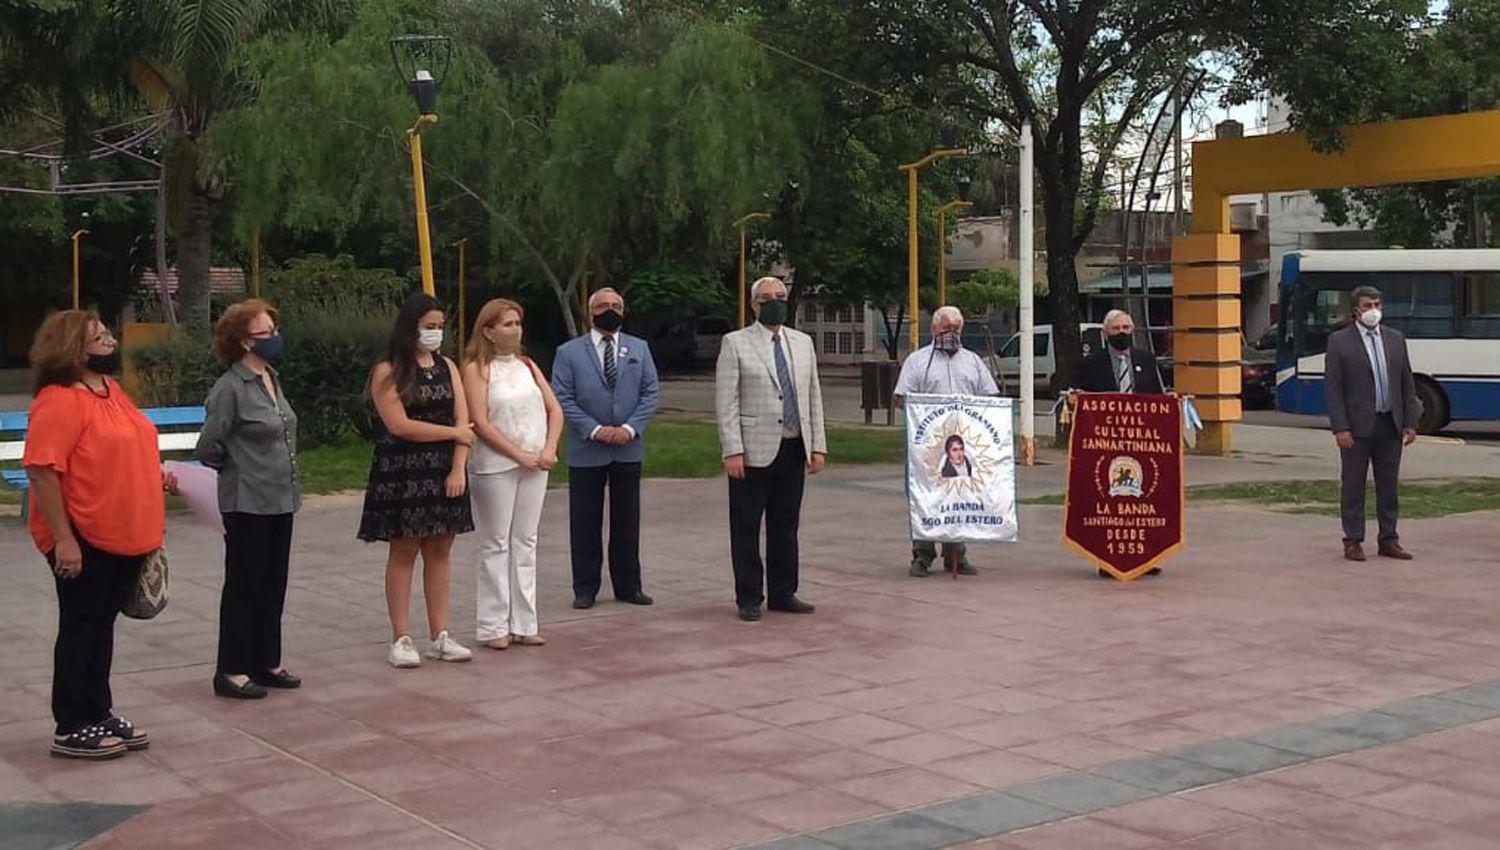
(327, 360)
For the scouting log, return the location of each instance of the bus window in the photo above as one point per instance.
(1323, 311)
(1419, 304)
(1481, 315)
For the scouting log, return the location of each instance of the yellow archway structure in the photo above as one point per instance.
(1206, 262)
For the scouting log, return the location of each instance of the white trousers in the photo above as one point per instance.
(507, 509)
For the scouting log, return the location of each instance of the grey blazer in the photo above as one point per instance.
(747, 396)
(1349, 381)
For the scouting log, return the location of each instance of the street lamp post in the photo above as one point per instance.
(740, 225)
(461, 245)
(942, 217)
(911, 169)
(77, 235)
(412, 55)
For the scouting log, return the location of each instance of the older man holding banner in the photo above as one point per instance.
(961, 459)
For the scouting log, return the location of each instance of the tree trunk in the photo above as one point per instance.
(164, 296)
(194, 259)
(1062, 283)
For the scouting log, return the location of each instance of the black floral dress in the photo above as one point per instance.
(405, 497)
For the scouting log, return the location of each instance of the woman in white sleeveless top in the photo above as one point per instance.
(517, 422)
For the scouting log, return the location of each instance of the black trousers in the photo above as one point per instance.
(86, 610)
(256, 551)
(774, 493)
(586, 486)
(1381, 450)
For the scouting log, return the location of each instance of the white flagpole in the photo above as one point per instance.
(1028, 272)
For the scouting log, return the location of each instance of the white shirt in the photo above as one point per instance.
(517, 409)
(596, 338)
(1375, 347)
(928, 370)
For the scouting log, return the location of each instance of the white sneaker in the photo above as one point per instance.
(404, 653)
(445, 648)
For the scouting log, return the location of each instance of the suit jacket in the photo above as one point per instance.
(1099, 372)
(1349, 381)
(588, 402)
(747, 396)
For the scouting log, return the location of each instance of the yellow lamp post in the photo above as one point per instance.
(412, 55)
(462, 246)
(744, 251)
(77, 235)
(942, 217)
(911, 169)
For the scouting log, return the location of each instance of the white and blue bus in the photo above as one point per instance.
(1446, 302)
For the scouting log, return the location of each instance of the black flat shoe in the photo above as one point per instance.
(581, 602)
(250, 690)
(750, 613)
(637, 598)
(283, 680)
(792, 606)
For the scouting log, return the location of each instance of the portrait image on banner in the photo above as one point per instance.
(960, 469)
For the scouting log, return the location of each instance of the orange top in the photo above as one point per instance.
(104, 450)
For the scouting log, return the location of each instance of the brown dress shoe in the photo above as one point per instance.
(1353, 551)
(1393, 549)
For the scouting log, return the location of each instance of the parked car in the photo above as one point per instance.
(1258, 372)
(708, 335)
(1006, 366)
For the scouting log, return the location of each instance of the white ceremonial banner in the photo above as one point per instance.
(961, 468)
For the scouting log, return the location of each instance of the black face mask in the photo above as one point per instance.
(772, 312)
(609, 321)
(269, 349)
(1120, 341)
(104, 364)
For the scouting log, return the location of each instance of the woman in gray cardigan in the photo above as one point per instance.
(250, 436)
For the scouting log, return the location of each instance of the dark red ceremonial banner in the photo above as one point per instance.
(1123, 508)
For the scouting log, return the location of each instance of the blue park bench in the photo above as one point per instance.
(177, 429)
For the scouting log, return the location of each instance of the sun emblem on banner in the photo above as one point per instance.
(959, 458)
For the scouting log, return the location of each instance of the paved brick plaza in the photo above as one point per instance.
(1260, 694)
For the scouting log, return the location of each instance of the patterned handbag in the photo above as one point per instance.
(149, 595)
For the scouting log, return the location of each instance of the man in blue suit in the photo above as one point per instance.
(605, 381)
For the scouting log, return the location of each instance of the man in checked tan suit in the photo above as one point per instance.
(770, 410)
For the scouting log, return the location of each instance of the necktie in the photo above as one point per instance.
(611, 370)
(789, 419)
(1377, 357)
(1122, 374)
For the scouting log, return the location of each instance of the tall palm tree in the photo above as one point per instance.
(187, 71)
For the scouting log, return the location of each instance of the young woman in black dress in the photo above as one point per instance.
(418, 495)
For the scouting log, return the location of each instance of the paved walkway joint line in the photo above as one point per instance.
(1118, 783)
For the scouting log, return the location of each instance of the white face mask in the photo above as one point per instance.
(430, 340)
(1370, 318)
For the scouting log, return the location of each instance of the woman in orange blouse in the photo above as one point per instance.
(96, 513)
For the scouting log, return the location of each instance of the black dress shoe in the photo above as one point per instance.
(637, 598)
(283, 680)
(250, 690)
(750, 613)
(792, 605)
(581, 602)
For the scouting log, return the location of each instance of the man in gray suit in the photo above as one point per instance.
(770, 410)
(1373, 410)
